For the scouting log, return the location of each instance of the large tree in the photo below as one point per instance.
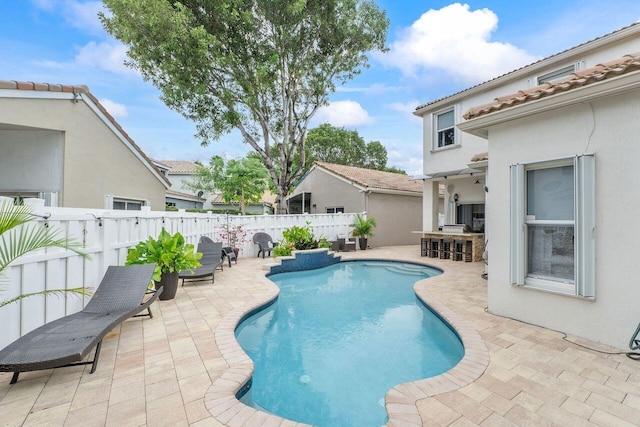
(239, 181)
(330, 144)
(263, 67)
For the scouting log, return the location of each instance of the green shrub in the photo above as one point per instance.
(299, 238)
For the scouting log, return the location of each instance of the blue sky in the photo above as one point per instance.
(436, 48)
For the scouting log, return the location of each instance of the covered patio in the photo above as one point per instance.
(159, 371)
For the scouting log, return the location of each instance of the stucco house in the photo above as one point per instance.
(59, 143)
(179, 172)
(391, 198)
(561, 198)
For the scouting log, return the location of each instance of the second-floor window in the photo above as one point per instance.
(445, 129)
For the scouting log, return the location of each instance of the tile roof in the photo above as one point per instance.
(179, 166)
(479, 157)
(82, 89)
(607, 70)
(419, 107)
(373, 179)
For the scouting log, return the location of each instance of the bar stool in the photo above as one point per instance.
(424, 246)
(463, 250)
(433, 248)
(446, 248)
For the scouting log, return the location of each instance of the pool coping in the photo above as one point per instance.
(400, 401)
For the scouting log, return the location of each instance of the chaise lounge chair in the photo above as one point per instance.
(265, 243)
(211, 259)
(68, 340)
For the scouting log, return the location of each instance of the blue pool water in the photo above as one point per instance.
(338, 338)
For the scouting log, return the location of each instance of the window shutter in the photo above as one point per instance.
(517, 236)
(585, 224)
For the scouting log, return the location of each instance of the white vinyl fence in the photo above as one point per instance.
(106, 235)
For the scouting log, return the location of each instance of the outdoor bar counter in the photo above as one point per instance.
(476, 239)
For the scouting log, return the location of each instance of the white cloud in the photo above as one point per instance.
(115, 109)
(406, 109)
(82, 15)
(104, 55)
(458, 41)
(344, 114)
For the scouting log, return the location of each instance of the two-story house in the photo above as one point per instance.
(552, 148)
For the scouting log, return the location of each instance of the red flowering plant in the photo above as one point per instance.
(235, 235)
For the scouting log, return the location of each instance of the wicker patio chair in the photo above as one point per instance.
(211, 260)
(68, 340)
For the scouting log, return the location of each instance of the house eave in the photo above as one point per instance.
(562, 57)
(480, 126)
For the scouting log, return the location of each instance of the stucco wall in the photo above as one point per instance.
(31, 160)
(609, 128)
(96, 162)
(396, 217)
(329, 191)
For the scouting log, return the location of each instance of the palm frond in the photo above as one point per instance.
(58, 292)
(32, 237)
(12, 216)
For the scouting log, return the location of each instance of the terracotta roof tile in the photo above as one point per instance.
(47, 87)
(480, 157)
(607, 70)
(185, 195)
(528, 65)
(179, 166)
(374, 179)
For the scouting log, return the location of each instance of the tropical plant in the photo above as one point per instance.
(362, 226)
(169, 252)
(261, 67)
(19, 235)
(239, 181)
(299, 238)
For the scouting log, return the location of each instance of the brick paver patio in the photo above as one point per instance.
(160, 371)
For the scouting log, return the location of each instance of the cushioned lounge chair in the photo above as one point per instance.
(265, 243)
(68, 340)
(211, 260)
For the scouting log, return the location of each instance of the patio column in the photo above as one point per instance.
(430, 205)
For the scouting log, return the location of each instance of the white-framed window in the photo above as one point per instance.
(557, 73)
(553, 225)
(125, 204)
(444, 129)
(335, 209)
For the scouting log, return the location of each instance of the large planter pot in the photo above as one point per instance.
(169, 282)
(362, 242)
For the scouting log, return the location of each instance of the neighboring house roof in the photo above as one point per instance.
(179, 166)
(184, 196)
(83, 91)
(371, 179)
(622, 32)
(607, 70)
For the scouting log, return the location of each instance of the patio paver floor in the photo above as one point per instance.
(158, 372)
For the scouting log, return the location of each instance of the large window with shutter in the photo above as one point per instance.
(553, 225)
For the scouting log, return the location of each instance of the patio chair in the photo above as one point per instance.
(68, 340)
(227, 251)
(229, 254)
(265, 243)
(211, 260)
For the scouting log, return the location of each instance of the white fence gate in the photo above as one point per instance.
(106, 236)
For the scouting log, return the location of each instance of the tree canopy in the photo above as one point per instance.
(263, 67)
(330, 144)
(239, 181)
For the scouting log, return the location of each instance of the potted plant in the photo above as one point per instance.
(235, 235)
(363, 229)
(171, 254)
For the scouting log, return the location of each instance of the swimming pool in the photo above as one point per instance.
(338, 338)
